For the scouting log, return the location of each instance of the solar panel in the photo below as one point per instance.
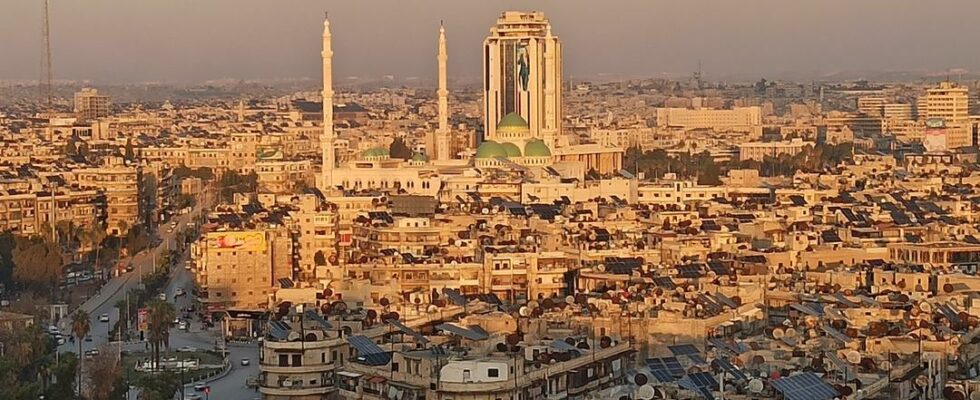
(664, 282)
(279, 330)
(564, 346)
(374, 359)
(703, 380)
(419, 338)
(804, 386)
(689, 272)
(724, 345)
(836, 334)
(312, 315)
(662, 375)
(454, 296)
(727, 301)
(364, 345)
(462, 332)
(669, 364)
(727, 366)
(684, 349)
(803, 308)
(844, 300)
(285, 283)
(719, 268)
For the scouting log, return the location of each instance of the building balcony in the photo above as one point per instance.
(296, 390)
(302, 369)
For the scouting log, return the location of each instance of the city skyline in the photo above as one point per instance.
(110, 42)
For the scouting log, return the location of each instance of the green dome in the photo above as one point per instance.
(513, 121)
(490, 149)
(375, 152)
(511, 149)
(420, 157)
(536, 148)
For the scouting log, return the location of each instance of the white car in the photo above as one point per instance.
(104, 318)
(187, 349)
(182, 325)
(179, 292)
(162, 296)
(245, 362)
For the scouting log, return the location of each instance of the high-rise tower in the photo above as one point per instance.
(522, 75)
(327, 137)
(442, 134)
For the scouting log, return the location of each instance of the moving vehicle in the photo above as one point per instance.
(199, 387)
(104, 318)
(182, 325)
(179, 292)
(245, 362)
(162, 296)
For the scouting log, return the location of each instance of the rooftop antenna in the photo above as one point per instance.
(44, 85)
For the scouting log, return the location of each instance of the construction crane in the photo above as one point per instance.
(44, 85)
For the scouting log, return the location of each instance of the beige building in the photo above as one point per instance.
(89, 104)
(760, 150)
(238, 269)
(738, 119)
(950, 104)
(121, 185)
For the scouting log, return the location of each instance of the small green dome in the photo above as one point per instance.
(536, 148)
(375, 152)
(420, 157)
(490, 149)
(511, 149)
(513, 122)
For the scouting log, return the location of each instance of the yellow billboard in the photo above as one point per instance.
(244, 241)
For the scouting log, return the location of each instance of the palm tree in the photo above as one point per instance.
(80, 326)
(159, 320)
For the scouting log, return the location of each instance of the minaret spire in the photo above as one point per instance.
(442, 134)
(327, 138)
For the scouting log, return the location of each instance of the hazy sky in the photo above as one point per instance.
(112, 41)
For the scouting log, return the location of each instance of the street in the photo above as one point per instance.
(231, 385)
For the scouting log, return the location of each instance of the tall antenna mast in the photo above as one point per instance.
(45, 84)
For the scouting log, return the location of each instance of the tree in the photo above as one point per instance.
(160, 386)
(26, 358)
(160, 316)
(399, 149)
(80, 326)
(105, 375)
(37, 262)
(129, 154)
(64, 378)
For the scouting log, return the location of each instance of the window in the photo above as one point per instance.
(283, 360)
(493, 372)
(297, 360)
(323, 357)
(394, 366)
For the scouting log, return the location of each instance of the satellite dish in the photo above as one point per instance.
(645, 392)
(853, 357)
(532, 304)
(755, 386)
(601, 267)
(886, 365)
(524, 311)
(432, 308)
(975, 395)
(790, 333)
(778, 333)
(925, 307)
(922, 381)
(570, 300)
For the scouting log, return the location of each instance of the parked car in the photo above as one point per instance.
(179, 292)
(187, 349)
(182, 325)
(245, 362)
(104, 318)
(162, 296)
(200, 387)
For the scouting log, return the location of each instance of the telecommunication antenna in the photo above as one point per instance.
(44, 85)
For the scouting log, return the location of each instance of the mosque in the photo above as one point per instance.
(522, 122)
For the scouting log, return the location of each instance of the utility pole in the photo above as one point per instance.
(46, 75)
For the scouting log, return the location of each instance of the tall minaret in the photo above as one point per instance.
(442, 134)
(327, 138)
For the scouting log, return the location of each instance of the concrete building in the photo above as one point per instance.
(522, 75)
(760, 150)
(949, 103)
(89, 104)
(738, 119)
